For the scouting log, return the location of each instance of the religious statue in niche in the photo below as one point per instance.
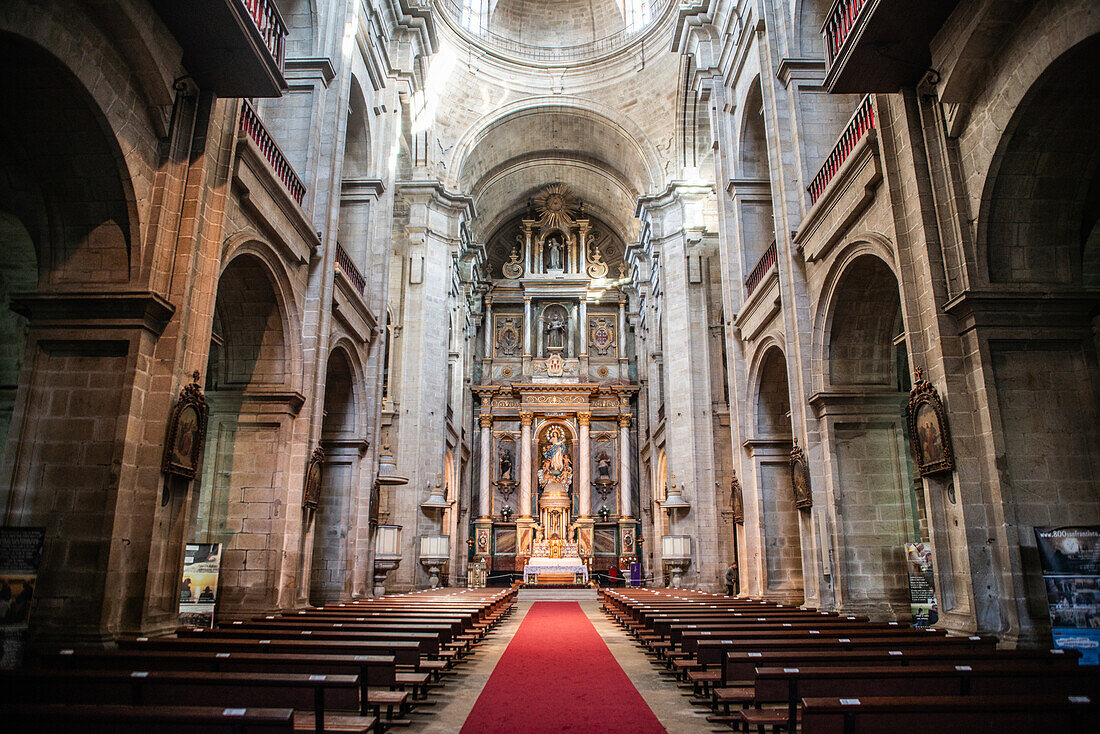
(557, 465)
(603, 482)
(554, 250)
(800, 478)
(737, 499)
(556, 327)
(505, 469)
(603, 466)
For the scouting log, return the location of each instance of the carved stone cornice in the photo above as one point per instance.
(120, 310)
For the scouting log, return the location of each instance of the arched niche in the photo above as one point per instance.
(773, 406)
(332, 521)
(866, 317)
(61, 171)
(1042, 201)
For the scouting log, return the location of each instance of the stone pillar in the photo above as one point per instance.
(584, 471)
(528, 336)
(620, 342)
(582, 332)
(488, 355)
(525, 420)
(625, 509)
(484, 488)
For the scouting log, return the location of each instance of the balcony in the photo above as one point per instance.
(346, 268)
(862, 120)
(251, 125)
(763, 267)
(880, 45)
(233, 48)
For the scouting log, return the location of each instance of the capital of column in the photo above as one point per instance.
(624, 420)
(486, 420)
(526, 418)
(583, 419)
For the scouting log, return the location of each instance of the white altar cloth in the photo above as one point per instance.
(543, 564)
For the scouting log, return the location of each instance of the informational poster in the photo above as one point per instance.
(20, 554)
(199, 588)
(922, 585)
(1070, 557)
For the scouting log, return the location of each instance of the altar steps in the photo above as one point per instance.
(542, 593)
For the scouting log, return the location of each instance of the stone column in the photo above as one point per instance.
(528, 336)
(584, 471)
(584, 521)
(485, 493)
(582, 332)
(525, 420)
(488, 355)
(624, 466)
(620, 342)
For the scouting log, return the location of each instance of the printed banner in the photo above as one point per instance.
(922, 585)
(199, 589)
(20, 553)
(1070, 557)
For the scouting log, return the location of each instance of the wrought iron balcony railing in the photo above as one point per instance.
(347, 268)
(251, 124)
(763, 267)
(861, 121)
(270, 25)
(839, 23)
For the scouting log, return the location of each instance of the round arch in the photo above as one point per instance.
(863, 244)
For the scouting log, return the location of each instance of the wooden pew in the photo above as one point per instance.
(104, 719)
(303, 692)
(950, 715)
(789, 684)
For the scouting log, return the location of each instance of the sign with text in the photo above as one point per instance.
(922, 585)
(20, 554)
(1070, 557)
(199, 588)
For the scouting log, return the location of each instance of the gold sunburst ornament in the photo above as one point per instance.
(556, 206)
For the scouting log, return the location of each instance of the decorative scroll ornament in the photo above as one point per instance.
(596, 268)
(513, 269)
(737, 499)
(556, 206)
(186, 431)
(312, 494)
(929, 434)
(601, 334)
(508, 337)
(800, 478)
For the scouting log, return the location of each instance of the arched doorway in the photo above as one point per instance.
(770, 450)
(241, 498)
(331, 560)
(868, 383)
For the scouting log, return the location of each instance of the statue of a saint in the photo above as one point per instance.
(555, 331)
(603, 466)
(554, 247)
(557, 466)
(505, 473)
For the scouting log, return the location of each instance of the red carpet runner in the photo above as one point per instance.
(557, 675)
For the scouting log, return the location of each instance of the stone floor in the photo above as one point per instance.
(456, 699)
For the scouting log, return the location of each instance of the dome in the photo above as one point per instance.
(555, 29)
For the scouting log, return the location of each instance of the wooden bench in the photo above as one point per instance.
(788, 685)
(950, 715)
(111, 719)
(303, 692)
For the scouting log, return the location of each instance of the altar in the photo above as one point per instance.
(543, 569)
(555, 561)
